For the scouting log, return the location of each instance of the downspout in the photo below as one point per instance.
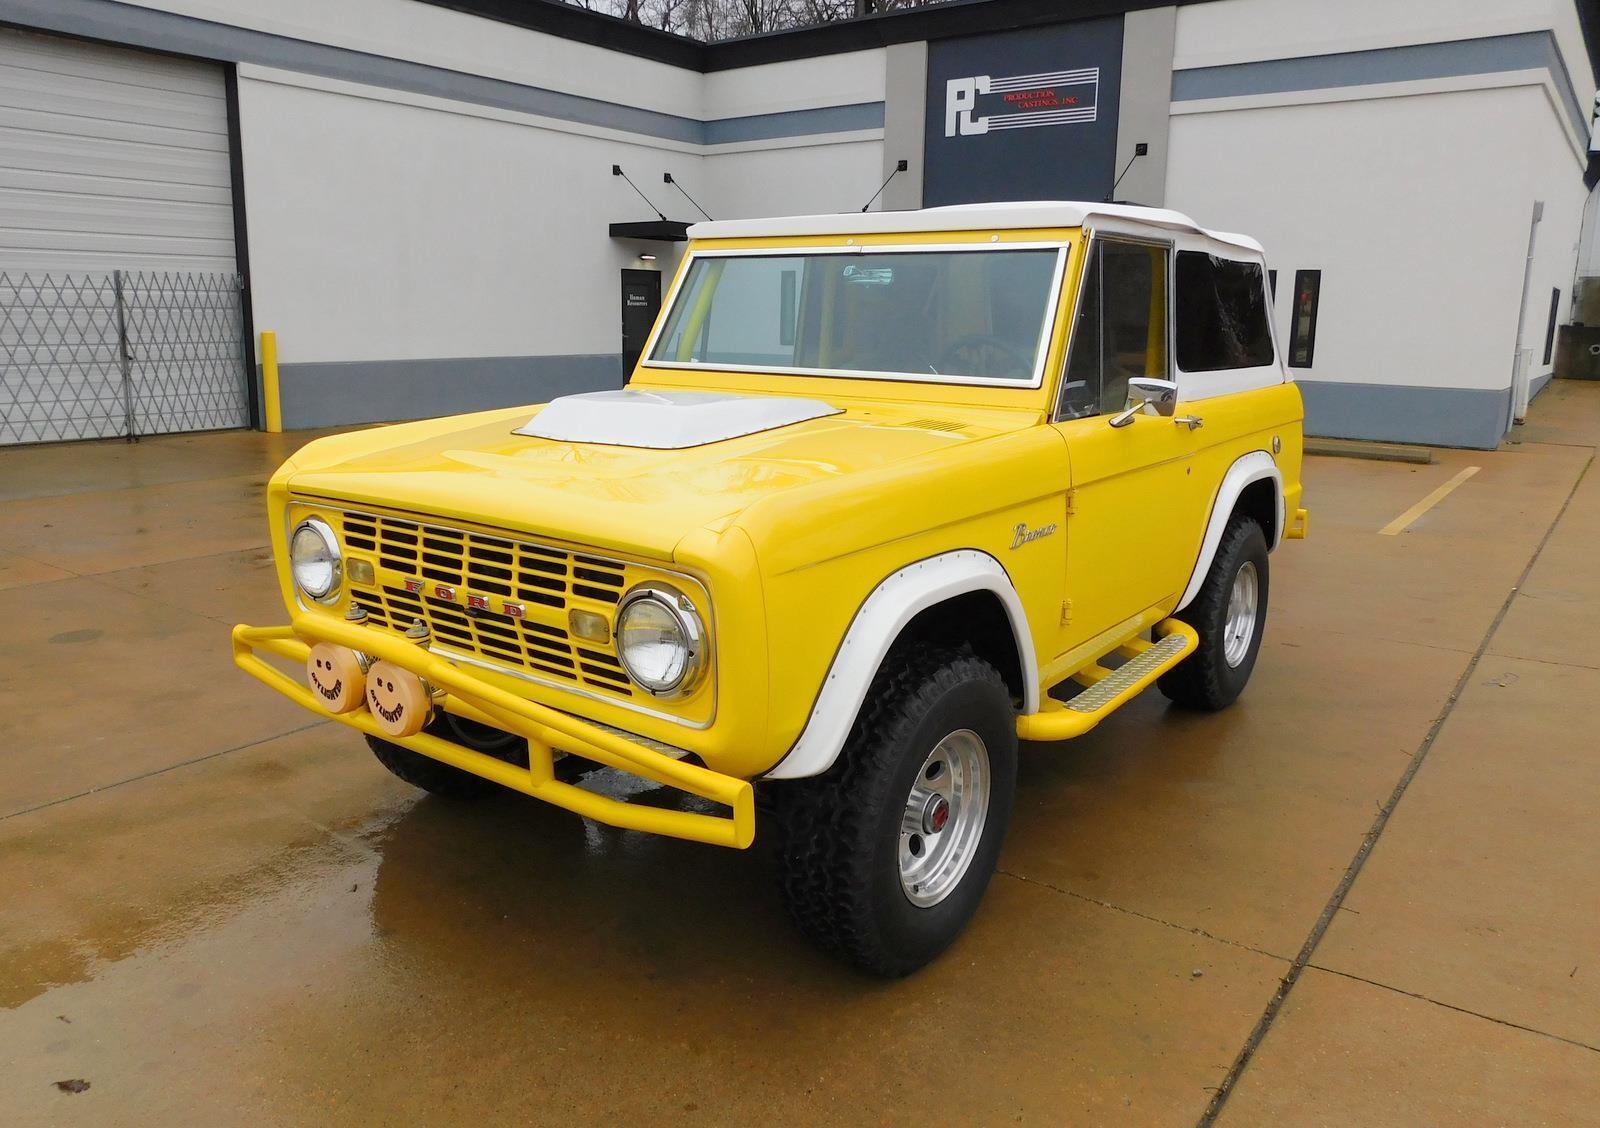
(1522, 313)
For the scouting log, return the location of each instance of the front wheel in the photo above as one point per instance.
(885, 857)
(1229, 614)
(439, 778)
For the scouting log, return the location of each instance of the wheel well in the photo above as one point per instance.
(977, 619)
(1259, 501)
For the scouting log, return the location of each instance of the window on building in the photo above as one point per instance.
(1120, 330)
(1222, 314)
(1303, 324)
(1550, 329)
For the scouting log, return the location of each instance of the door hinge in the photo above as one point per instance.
(1066, 612)
(1072, 502)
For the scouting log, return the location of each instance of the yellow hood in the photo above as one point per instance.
(476, 468)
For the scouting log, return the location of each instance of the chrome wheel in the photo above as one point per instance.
(943, 819)
(1243, 602)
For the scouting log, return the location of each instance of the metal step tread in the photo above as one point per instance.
(1153, 661)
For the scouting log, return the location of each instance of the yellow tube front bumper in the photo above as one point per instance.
(545, 729)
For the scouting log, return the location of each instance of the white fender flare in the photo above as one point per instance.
(1253, 467)
(878, 622)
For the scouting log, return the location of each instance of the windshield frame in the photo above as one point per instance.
(1062, 247)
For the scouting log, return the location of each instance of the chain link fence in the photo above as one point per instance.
(93, 356)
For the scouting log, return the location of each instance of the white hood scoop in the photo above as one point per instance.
(660, 420)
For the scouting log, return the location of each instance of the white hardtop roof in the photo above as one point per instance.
(963, 217)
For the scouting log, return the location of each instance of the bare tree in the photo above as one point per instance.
(710, 20)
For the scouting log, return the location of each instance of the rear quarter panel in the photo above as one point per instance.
(1248, 421)
(1239, 423)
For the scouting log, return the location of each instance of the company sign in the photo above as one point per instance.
(1023, 115)
(974, 106)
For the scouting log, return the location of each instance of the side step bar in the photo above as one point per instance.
(1108, 690)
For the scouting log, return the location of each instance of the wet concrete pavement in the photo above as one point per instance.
(216, 909)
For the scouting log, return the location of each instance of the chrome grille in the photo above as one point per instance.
(545, 581)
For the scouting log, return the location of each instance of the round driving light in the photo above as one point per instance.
(314, 558)
(660, 642)
(336, 676)
(401, 702)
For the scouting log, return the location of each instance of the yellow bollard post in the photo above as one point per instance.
(271, 408)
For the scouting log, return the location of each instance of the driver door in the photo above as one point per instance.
(1132, 488)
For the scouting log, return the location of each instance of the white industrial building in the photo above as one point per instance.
(419, 196)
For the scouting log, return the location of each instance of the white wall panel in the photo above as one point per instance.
(829, 80)
(386, 230)
(1231, 31)
(1422, 257)
(803, 180)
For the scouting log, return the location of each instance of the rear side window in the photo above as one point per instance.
(1222, 314)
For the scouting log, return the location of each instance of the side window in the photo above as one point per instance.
(1120, 330)
(1303, 325)
(1222, 314)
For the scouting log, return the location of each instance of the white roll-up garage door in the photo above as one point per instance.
(120, 302)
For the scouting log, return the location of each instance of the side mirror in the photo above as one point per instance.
(1148, 395)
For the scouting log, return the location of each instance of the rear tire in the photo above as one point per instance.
(1230, 616)
(884, 858)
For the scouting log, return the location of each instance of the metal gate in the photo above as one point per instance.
(93, 356)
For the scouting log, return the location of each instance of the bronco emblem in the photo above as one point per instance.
(1022, 534)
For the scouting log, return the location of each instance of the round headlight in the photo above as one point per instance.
(314, 558)
(660, 641)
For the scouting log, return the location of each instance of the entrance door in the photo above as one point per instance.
(1133, 496)
(641, 301)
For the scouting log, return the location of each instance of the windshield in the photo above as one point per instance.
(979, 315)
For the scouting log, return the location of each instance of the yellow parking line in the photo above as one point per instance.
(1400, 523)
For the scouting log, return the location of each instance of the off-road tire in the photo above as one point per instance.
(837, 857)
(1204, 680)
(432, 776)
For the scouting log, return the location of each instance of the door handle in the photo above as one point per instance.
(1193, 422)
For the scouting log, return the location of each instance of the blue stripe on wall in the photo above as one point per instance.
(1396, 413)
(1493, 54)
(335, 393)
(795, 123)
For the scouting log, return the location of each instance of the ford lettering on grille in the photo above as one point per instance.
(495, 599)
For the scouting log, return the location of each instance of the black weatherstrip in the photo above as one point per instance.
(241, 245)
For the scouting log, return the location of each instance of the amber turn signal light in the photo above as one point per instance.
(589, 626)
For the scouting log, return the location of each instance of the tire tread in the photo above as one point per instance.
(825, 855)
(1201, 681)
(432, 776)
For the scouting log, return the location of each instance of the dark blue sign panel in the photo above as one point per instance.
(1023, 115)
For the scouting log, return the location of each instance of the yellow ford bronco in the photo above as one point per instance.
(887, 494)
